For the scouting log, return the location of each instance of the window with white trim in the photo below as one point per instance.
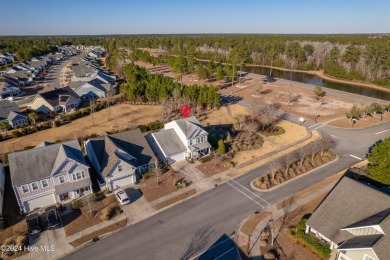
(45, 183)
(83, 174)
(119, 168)
(25, 188)
(61, 179)
(34, 185)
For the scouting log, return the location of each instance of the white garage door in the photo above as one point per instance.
(115, 184)
(176, 157)
(40, 202)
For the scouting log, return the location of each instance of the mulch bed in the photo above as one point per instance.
(211, 168)
(98, 233)
(153, 190)
(82, 219)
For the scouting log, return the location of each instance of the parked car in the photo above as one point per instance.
(52, 218)
(34, 224)
(122, 197)
(11, 98)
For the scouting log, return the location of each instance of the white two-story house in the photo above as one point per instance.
(49, 173)
(120, 159)
(179, 140)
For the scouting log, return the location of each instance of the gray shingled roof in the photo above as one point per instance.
(349, 202)
(169, 142)
(375, 219)
(190, 127)
(16, 115)
(53, 96)
(360, 242)
(6, 107)
(382, 247)
(132, 142)
(38, 163)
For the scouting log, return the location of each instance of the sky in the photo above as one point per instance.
(91, 17)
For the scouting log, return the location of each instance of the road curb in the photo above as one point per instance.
(293, 179)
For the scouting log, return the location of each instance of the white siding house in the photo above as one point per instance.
(179, 140)
(48, 174)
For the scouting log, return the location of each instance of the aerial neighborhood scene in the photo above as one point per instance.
(195, 130)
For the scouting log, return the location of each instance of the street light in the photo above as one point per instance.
(301, 120)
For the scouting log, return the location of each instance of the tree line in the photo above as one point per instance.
(141, 85)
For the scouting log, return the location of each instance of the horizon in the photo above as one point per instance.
(87, 18)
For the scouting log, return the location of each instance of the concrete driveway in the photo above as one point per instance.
(49, 244)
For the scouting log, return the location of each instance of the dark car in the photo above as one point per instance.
(34, 223)
(52, 218)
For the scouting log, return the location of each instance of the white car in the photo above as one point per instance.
(11, 98)
(122, 197)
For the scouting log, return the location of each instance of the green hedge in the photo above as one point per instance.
(315, 245)
(205, 159)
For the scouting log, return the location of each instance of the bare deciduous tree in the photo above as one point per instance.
(290, 212)
(274, 167)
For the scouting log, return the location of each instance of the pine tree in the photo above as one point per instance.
(379, 162)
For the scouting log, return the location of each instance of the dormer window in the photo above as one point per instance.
(119, 168)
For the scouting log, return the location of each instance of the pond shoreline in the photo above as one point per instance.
(321, 74)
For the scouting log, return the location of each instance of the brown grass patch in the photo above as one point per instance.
(98, 233)
(249, 226)
(153, 190)
(126, 116)
(175, 199)
(82, 219)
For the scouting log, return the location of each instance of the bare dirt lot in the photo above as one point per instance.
(166, 184)
(126, 116)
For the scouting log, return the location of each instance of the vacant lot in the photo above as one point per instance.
(87, 216)
(122, 116)
(157, 187)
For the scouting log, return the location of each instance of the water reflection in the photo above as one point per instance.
(314, 80)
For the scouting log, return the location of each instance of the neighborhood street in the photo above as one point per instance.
(208, 221)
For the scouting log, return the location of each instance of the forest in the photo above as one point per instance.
(352, 57)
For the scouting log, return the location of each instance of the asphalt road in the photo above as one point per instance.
(203, 226)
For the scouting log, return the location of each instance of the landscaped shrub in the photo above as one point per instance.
(45, 125)
(15, 133)
(147, 175)
(143, 128)
(155, 125)
(109, 212)
(77, 204)
(56, 123)
(205, 159)
(275, 130)
(315, 245)
(21, 240)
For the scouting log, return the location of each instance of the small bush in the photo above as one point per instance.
(45, 125)
(109, 212)
(315, 245)
(15, 134)
(147, 175)
(143, 128)
(205, 159)
(56, 123)
(77, 204)
(155, 125)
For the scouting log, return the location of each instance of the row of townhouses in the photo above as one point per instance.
(88, 82)
(58, 172)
